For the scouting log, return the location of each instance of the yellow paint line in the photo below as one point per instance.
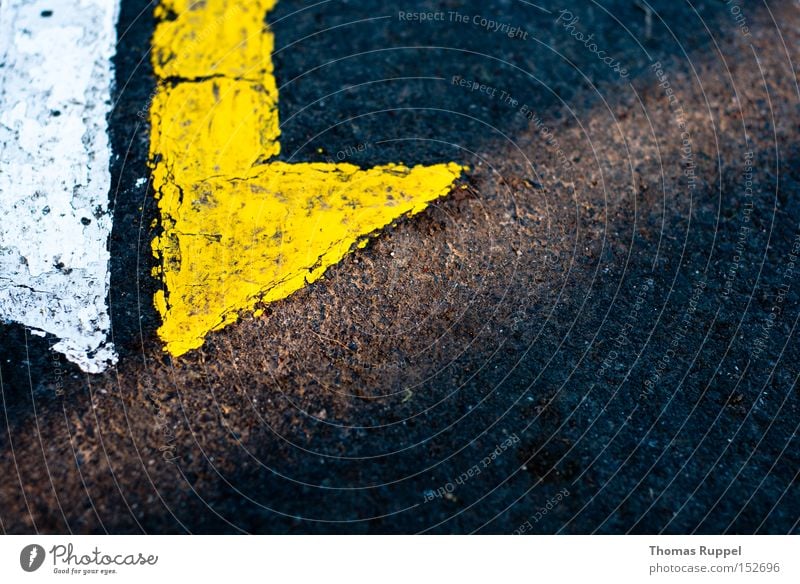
(238, 229)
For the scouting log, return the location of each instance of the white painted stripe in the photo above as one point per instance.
(55, 95)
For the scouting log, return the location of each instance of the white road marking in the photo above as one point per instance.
(55, 94)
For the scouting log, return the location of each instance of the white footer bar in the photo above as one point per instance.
(376, 559)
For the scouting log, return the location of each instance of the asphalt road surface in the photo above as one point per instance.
(595, 332)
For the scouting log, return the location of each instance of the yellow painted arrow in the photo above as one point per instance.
(236, 228)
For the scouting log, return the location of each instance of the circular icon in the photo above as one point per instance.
(31, 557)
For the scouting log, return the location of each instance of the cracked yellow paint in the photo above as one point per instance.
(237, 229)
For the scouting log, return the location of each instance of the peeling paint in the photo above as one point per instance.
(238, 229)
(55, 86)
